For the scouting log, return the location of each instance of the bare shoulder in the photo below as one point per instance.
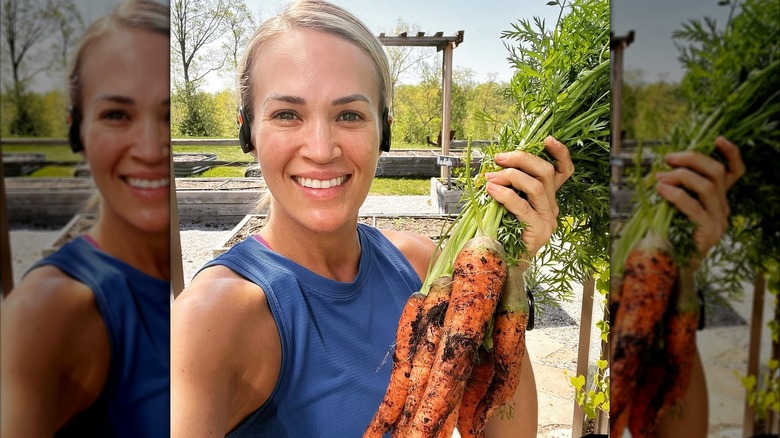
(55, 346)
(221, 296)
(225, 352)
(47, 303)
(220, 319)
(418, 249)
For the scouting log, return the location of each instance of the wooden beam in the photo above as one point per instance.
(754, 347)
(438, 40)
(6, 269)
(446, 106)
(176, 268)
(586, 323)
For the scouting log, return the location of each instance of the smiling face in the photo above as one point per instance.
(125, 126)
(315, 127)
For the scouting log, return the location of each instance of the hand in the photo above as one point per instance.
(539, 180)
(708, 180)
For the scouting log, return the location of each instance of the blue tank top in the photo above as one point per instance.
(135, 307)
(336, 337)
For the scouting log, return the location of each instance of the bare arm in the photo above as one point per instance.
(225, 354)
(55, 353)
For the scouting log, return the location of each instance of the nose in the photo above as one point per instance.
(152, 142)
(319, 144)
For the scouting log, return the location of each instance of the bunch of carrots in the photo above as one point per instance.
(460, 341)
(442, 375)
(654, 308)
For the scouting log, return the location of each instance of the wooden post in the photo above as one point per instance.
(6, 266)
(586, 323)
(754, 349)
(177, 271)
(446, 104)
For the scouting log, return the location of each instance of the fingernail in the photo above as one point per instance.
(661, 175)
(490, 175)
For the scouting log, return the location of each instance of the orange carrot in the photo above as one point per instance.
(646, 403)
(648, 282)
(449, 425)
(434, 309)
(478, 275)
(476, 388)
(406, 333)
(508, 347)
(680, 342)
(618, 424)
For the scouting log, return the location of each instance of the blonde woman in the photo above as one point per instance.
(85, 335)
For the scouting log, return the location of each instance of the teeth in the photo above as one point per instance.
(320, 183)
(148, 183)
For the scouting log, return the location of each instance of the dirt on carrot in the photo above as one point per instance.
(478, 276)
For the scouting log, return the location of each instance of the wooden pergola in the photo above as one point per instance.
(443, 44)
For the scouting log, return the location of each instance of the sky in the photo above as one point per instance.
(481, 51)
(653, 51)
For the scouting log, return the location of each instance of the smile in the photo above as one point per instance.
(320, 183)
(141, 183)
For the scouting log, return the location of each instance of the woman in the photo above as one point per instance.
(285, 335)
(85, 335)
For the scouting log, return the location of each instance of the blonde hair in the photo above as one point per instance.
(323, 17)
(320, 16)
(132, 14)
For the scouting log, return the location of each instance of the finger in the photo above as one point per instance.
(515, 178)
(564, 168)
(539, 193)
(701, 164)
(530, 164)
(735, 167)
(539, 226)
(712, 200)
(709, 228)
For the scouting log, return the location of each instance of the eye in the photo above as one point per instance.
(285, 115)
(350, 116)
(114, 115)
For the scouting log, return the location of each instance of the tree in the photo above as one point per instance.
(404, 58)
(69, 25)
(195, 25)
(240, 24)
(25, 25)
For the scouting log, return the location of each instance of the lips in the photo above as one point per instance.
(313, 183)
(147, 183)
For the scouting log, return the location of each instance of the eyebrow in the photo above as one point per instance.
(115, 98)
(126, 100)
(295, 100)
(349, 99)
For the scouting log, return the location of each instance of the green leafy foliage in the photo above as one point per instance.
(731, 87)
(561, 88)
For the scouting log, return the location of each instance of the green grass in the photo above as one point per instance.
(53, 153)
(222, 172)
(401, 186)
(54, 172)
(224, 153)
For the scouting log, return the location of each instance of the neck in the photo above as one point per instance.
(334, 255)
(149, 252)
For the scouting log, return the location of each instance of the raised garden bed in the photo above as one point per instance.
(432, 227)
(446, 200)
(191, 164)
(21, 163)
